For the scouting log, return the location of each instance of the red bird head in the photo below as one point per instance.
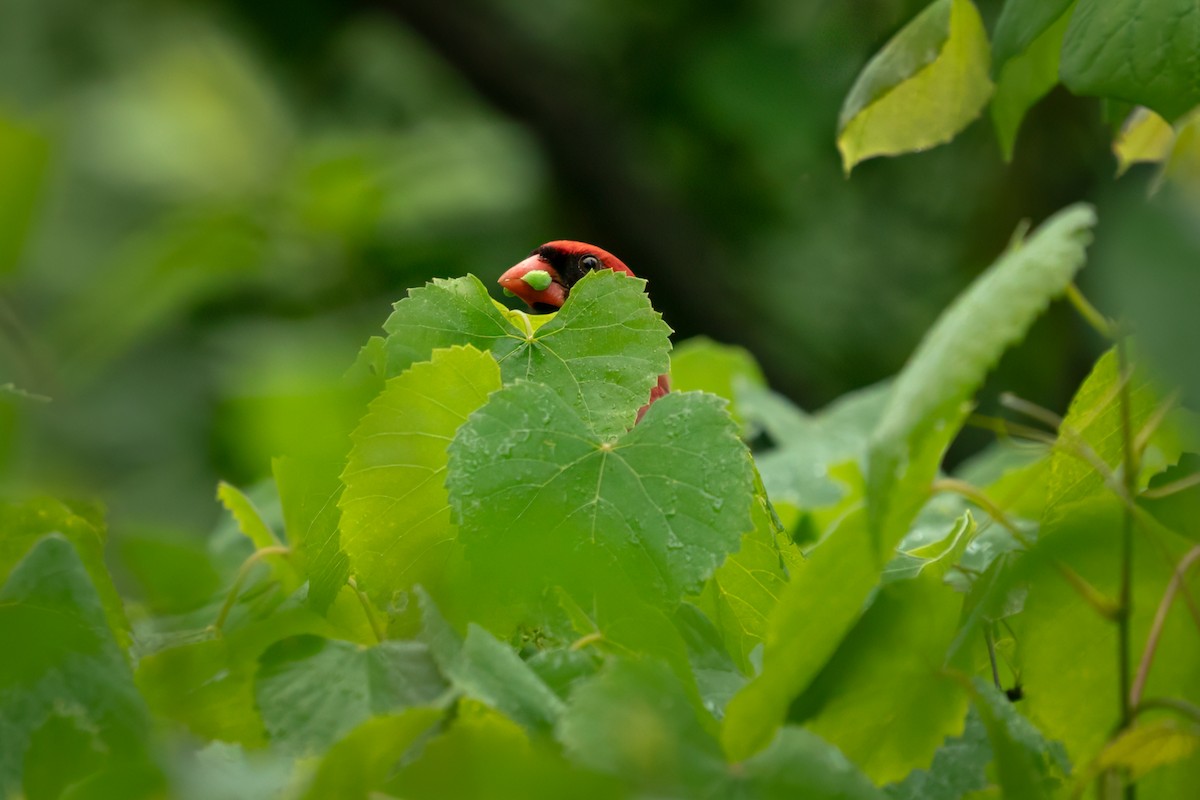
(544, 280)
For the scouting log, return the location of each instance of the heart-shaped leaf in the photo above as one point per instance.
(602, 352)
(539, 495)
(395, 523)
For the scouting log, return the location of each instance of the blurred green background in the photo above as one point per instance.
(207, 207)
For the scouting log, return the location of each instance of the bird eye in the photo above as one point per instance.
(589, 262)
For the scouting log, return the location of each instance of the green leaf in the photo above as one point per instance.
(173, 570)
(958, 767)
(1144, 748)
(62, 660)
(700, 364)
(360, 763)
(1091, 435)
(1026, 764)
(1067, 651)
(1179, 511)
(199, 685)
(309, 491)
(395, 517)
(602, 352)
(882, 698)
(927, 404)
(817, 608)
(798, 469)
(742, 593)
(23, 526)
(618, 622)
(249, 520)
(489, 671)
(1021, 23)
(1144, 137)
(801, 764)
(441, 314)
(921, 89)
(537, 494)
(634, 720)
(1024, 79)
(1139, 52)
(486, 755)
(312, 691)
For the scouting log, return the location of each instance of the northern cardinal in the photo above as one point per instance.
(544, 282)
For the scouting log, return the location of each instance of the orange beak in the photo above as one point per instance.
(519, 280)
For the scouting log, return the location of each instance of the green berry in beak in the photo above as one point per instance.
(509, 293)
(538, 279)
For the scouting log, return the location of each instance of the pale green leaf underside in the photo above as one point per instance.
(395, 524)
(927, 401)
(602, 352)
(538, 495)
(925, 86)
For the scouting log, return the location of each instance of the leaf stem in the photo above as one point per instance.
(1171, 488)
(991, 648)
(1125, 599)
(243, 573)
(1182, 707)
(1094, 597)
(1160, 618)
(1090, 313)
(365, 602)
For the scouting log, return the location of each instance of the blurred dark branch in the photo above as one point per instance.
(588, 144)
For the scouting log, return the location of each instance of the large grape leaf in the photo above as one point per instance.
(62, 660)
(602, 352)
(542, 500)
(395, 524)
(921, 89)
(312, 691)
(927, 404)
(1142, 53)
